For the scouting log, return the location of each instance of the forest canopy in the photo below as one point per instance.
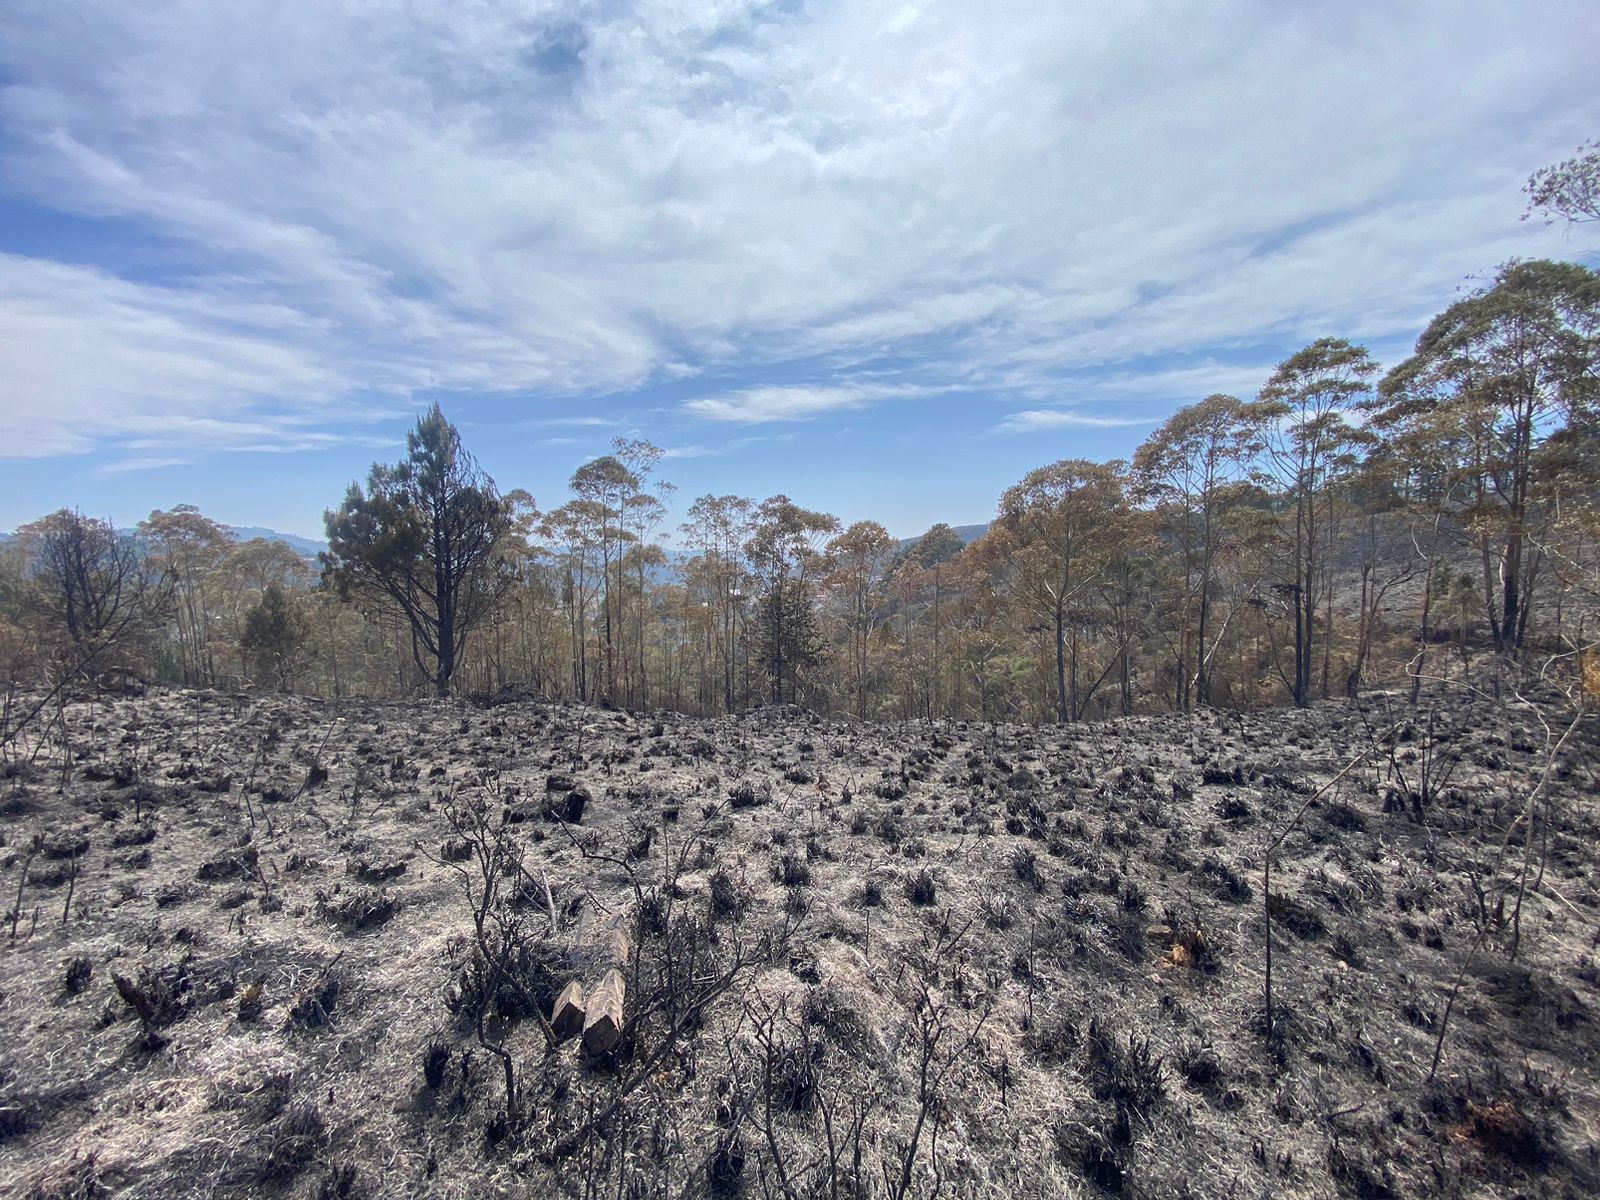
(1346, 527)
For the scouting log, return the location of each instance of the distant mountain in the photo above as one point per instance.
(672, 571)
(967, 533)
(304, 546)
(311, 547)
(307, 547)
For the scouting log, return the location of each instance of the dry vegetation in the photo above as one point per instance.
(276, 946)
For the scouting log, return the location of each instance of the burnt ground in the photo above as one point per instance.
(866, 959)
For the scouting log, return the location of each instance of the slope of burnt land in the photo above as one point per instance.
(271, 946)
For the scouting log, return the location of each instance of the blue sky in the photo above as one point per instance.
(882, 257)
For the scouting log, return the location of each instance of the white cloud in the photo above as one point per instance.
(1034, 420)
(126, 465)
(731, 447)
(760, 405)
(86, 358)
(579, 199)
(1185, 383)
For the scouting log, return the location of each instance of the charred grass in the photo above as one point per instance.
(242, 958)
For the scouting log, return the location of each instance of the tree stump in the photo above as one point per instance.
(567, 1018)
(602, 1022)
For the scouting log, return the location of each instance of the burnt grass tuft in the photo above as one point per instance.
(1031, 958)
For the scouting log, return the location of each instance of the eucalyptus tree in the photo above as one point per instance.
(785, 553)
(422, 541)
(979, 619)
(519, 624)
(922, 566)
(1497, 378)
(718, 529)
(1571, 461)
(857, 559)
(642, 514)
(1308, 446)
(1568, 189)
(1129, 577)
(1194, 468)
(1421, 449)
(624, 513)
(572, 532)
(191, 549)
(604, 487)
(1064, 523)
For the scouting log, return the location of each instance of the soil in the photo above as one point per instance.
(954, 959)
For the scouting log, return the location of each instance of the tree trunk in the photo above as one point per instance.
(1302, 601)
(777, 643)
(1061, 665)
(447, 666)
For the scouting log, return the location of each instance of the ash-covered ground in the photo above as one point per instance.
(271, 946)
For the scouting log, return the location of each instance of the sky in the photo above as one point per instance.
(883, 258)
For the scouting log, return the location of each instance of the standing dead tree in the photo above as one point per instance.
(940, 1046)
(92, 591)
(499, 980)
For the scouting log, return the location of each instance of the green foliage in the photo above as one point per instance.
(785, 551)
(276, 637)
(1311, 447)
(1496, 378)
(421, 542)
(789, 641)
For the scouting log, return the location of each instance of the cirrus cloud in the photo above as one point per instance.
(761, 405)
(1035, 420)
(357, 204)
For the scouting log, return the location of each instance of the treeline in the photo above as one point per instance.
(1342, 528)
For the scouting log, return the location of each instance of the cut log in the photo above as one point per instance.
(606, 937)
(607, 946)
(602, 1022)
(567, 1017)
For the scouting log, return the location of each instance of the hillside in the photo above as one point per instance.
(967, 533)
(304, 546)
(884, 960)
